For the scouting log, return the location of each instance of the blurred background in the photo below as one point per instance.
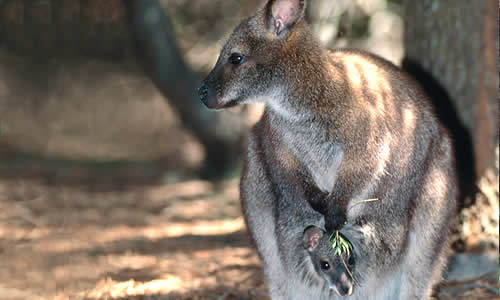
(117, 183)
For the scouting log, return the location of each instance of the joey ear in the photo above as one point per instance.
(312, 234)
(283, 14)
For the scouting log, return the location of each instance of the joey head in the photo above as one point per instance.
(327, 265)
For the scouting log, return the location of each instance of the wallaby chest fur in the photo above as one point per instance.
(339, 127)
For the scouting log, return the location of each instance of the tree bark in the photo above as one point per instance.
(452, 49)
(456, 42)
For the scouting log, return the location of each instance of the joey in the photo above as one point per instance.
(326, 264)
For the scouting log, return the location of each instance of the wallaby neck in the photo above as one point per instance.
(311, 89)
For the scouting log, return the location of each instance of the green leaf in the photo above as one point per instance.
(345, 249)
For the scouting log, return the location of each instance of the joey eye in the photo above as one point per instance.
(325, 265)
(236, 58)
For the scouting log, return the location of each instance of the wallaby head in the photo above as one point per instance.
(326, 264)
(253, 61)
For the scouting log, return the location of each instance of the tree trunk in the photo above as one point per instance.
(456, 42)
(168, 70)
(451, 47)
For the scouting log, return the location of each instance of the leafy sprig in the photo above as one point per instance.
(340, 245)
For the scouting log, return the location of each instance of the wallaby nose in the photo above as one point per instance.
(344, 286)
(207, 97)
(344, 290)
(203, 92)
(349, 291)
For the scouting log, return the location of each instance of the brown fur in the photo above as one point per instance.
(339, 127)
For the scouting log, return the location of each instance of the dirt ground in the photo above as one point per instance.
(160, 241)
(179, 241)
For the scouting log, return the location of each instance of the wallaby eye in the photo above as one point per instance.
(350, 261)
(236, 58)
(325, 265)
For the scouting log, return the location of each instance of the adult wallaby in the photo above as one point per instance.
(339, 127)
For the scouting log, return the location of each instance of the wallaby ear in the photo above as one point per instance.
(283, 14)
(311, 238)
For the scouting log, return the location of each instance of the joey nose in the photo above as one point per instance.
(344, 285)
(349, 291)
(344, 290)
